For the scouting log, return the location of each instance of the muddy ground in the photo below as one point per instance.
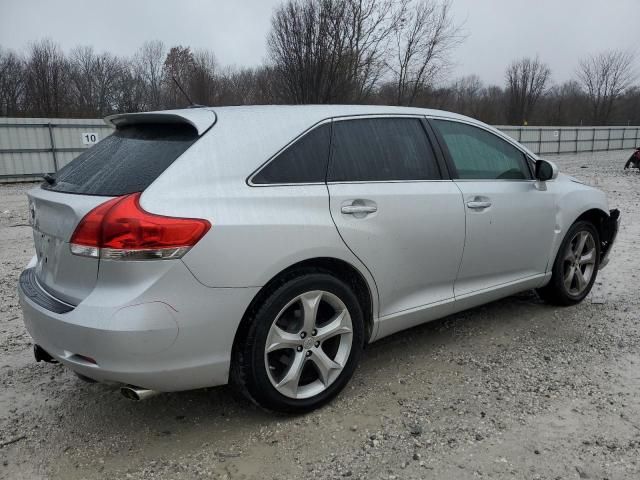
(514, 389)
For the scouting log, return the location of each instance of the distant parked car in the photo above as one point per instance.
(265, 246)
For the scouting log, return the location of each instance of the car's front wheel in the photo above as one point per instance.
(302, 344)
(576, 266)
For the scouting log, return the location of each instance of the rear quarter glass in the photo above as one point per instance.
(126, 162)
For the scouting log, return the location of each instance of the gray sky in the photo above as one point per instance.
(560, 31)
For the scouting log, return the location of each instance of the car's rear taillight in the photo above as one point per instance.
(120, 229)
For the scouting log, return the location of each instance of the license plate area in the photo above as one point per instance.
(45, 246)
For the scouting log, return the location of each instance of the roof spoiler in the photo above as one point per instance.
(199, 118)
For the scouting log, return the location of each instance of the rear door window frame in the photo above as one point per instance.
(429, 136)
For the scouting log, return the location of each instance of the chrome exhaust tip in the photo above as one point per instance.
(137, 394)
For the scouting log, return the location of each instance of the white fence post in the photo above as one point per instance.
(53, 148)
(559, 140)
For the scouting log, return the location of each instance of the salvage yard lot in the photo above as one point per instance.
(515, 389)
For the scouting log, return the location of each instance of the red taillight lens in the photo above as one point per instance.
(121, 229)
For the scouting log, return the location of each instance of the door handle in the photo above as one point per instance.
(358, 209)
(476, 205)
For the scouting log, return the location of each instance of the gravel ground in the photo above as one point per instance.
(514, 389)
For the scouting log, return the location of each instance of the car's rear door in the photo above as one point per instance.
(394, 209)
(510, 218)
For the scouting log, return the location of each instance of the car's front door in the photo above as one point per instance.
(394, 210)
(510, 217)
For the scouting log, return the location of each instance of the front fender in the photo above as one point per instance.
(573, 200)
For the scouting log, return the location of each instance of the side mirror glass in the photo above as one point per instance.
(545, 170)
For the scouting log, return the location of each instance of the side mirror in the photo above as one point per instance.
(546, 170)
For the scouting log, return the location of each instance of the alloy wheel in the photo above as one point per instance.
(579, 262)
(308, 344)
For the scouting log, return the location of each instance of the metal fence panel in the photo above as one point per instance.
(553, 140)
(31, 147)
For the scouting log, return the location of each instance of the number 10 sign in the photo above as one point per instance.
(90, 138)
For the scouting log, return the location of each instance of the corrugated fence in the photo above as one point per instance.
(31, 147)
(553, 140)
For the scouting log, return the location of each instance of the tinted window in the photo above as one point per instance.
(305, 161)
(478, 154)
(125, 162)
(376, 149)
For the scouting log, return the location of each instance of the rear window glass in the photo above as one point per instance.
(126, 162)
(305, 161)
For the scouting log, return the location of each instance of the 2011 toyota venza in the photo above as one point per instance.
(265, 246)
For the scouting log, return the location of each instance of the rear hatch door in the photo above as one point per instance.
(128, 161)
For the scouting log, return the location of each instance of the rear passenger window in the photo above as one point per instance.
(478, 154)
(379, 149)
(125, 162)
(305, 161)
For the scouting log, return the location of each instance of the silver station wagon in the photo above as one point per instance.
(265, 246)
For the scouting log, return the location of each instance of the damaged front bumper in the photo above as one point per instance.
(611, 227)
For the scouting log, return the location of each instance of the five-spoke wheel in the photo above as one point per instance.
(579, 262)
(308, 344)
(302, 344)
(575, 267)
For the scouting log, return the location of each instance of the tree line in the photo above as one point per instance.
(394, 52)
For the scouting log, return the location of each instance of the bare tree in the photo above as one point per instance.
(46, 80)
(327, 51)
(94, 80)
(605, 77)
(370, 25)
(467, 93)
(425, 35)
(179, 65)
(629, 111)
(204, 84)
(130, 90)
(148, 63)
(11, 83)
(527, 80)
(564, 104)
(491, 108)
(320, 51)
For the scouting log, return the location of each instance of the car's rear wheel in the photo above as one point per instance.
(302, 344)
(576, 266)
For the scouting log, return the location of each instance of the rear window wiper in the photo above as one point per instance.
(50, 179)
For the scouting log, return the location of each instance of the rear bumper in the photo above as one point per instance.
(177, 335)
(611, 231)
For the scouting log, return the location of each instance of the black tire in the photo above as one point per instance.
(556, 292)
(249, 372)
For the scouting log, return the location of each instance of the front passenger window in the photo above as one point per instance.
(478, 154)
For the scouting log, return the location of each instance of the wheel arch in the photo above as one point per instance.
(606, 224)
(598, 218)
(341, 269)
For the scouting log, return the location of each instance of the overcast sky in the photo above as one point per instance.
(559, 31)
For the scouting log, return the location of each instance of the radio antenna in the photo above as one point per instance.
(191, 104)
